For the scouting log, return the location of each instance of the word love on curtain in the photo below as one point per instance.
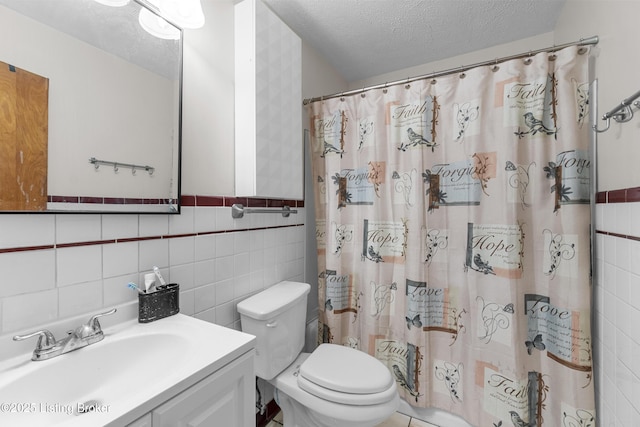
(453, 237)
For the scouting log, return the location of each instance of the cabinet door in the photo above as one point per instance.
(23, 141)
(225, 398)
(143, 421)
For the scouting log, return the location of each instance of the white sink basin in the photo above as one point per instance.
(133, 369)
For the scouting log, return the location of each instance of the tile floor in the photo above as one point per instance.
(396, 420)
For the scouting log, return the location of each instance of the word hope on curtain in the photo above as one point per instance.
(453, 222)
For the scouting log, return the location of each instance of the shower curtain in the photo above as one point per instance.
(452, 220)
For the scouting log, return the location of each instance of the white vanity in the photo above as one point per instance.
(174, 371)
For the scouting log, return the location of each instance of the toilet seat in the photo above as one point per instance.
(344, 375)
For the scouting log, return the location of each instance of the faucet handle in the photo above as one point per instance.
(45, 342)
(94, 325)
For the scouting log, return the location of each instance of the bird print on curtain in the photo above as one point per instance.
(452, 217)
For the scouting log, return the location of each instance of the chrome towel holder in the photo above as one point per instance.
(238, 211)
(96, 163)
(622, 113)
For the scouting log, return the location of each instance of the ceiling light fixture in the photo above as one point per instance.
(157, 26)
(180, 13)
(113, 3)
(183, 13)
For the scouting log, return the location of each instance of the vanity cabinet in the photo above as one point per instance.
(144, 421)
(268, 104)
(224, 398)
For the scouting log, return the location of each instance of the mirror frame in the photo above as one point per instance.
(118, 205)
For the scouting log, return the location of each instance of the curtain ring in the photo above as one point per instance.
(462, 73)
(495, 66)
(362, 94)
(553, 56)
(385, 87)
(407, 86)
(583, 50)
(529, 60)
(342, 97)
(433, 78)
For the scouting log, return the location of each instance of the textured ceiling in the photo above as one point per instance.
(365, 38)
(112, 29)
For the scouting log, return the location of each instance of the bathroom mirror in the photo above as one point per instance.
(112, 111)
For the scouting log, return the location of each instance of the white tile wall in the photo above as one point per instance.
(41, 230)
(78, 264)
(119, 259)
(616, 337)
(153, 225)
(215, 271)
(78, 228)
(119, 226)
(27, 272)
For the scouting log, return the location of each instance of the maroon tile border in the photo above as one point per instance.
(625, 195)
(199, 201)
(622, 236)
(105, 200)
(633, 194)
(185, 200)
(63, 199)
(135, 239)
(228, 201)
(87, 243)
(188, 200)
(208, 201)
(27, 249)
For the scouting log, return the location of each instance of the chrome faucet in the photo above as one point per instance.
(84, 335)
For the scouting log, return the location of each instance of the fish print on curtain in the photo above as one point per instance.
(452, 219)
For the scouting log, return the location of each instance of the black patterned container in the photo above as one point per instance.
(162, 303)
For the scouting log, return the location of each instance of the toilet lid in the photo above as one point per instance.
(347, 398)
(345, 370)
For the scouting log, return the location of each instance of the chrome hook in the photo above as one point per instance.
(621, 117)
(595, 127)
(625, 115)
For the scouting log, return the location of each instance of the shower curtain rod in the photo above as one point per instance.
(582, 42)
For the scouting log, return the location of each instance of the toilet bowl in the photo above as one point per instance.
(334, 386)
(304, 409)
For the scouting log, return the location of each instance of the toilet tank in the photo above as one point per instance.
(277, 317)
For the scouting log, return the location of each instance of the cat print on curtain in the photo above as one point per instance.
(453, 218)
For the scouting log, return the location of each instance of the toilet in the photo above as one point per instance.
(334, 386)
